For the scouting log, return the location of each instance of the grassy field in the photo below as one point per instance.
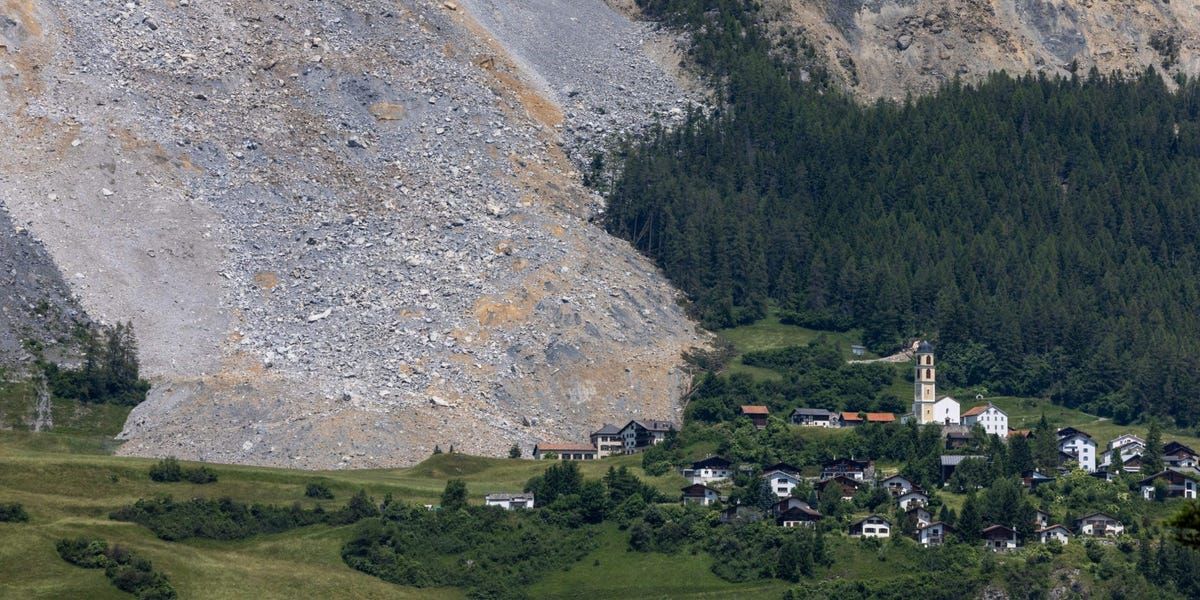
(641, 575)
(69, 486)
(770, 334)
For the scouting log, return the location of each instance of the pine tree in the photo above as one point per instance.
(1152, 456)
(970, 521)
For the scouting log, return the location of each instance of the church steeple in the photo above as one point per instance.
(924, 384)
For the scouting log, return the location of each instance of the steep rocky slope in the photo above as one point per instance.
(889, 48)
(35, 302)
(344, 231)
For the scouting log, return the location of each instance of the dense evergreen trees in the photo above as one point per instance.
(109, 372)
(1044, 231)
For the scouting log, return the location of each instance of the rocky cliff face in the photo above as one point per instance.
(890, 48)
(345, 231)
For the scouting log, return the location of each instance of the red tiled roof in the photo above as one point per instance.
(978, 410)
(754, 409)
(871, 417)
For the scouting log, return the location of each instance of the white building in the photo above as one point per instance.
(814, 417)
(713, 468)
(701, 494)
(873, 526)
(932, 534)
(608, 441)
(945, 411)
(638, 435)
(1054, 532)
(993, 420)
(1100, 525)
(509, 501)
(912, 499)
(897, 485)
(1081, 447)
(782, 482)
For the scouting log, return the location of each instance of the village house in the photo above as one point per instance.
(897, 485)
(787, 504)
(1041, 518)
(1127, 444)
(912, 498)
(951, 462)
(1079, 446)
(1180, 482)
(564, 451)
(1099, 525)
(782, 466)
(701, 494)
(798, 516)
(637, 435)
(1032, 479)
(957, 439)
(1176, 454)
(1054, 532)
(607, 440)
(844, 486)
(862, 470)
(740, 514)
(813, 417)
(932, 534)
(993, 420)
(919, 515)
(1129, 464)
(509, 501)
(873, 526)
(999, 538)
(757, 414)
(853, 419)
(782, 482)
(708, 470)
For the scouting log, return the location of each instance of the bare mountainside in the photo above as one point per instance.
(344, 231)
(890, 48)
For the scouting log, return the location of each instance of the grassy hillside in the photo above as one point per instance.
(69, 488)
(770, 334)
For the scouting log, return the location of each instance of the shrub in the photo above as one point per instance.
(166, 470)
(124, 569)
(318, 490)
(13, 513)
(200, 475)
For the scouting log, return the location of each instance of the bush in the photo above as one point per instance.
(124, 569)
(508, 549)
(318, 490)
(13, 513)
(166, 470)
(200, 475)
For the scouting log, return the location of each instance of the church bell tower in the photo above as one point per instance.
(924, 384)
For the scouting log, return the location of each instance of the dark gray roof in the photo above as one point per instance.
(925, 347)
(505, 497)
(607, 429)
(953, 460)
(815, 412)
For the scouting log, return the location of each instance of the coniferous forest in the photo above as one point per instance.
(1045, 232)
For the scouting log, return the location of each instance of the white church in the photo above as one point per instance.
(926, 407)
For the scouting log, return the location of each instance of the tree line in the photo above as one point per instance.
(1044, 231)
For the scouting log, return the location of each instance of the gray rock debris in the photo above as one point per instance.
(391, 236)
